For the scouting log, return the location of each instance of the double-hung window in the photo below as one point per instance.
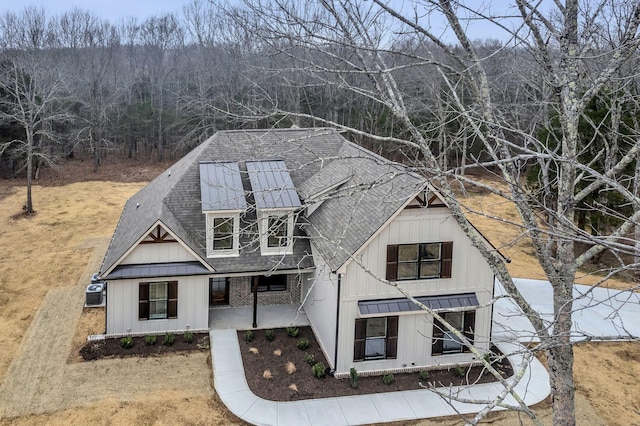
(376, 338)
(158, 300)
(278, 231)
(446, 342)
(222, 233)
(419, 261)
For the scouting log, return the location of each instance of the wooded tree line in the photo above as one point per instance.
(152, 89)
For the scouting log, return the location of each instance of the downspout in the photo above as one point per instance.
(106, 306)
(335, 355)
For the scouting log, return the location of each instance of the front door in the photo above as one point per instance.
(218, 291)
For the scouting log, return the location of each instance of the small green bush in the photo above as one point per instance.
(459, 371)
(168, 339)
(248, 336)
(388, 378)
(303, 343)
(353, 377)
(150, 340)
(309, 358)
(270, 334)
(318, 370)
(423, 375)
(292, 331)
(487, 358)
(188, 336)
(126, 342)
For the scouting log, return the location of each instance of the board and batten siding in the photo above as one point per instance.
(122, 307)
(470, 273)
(320, 295)
(158, 253)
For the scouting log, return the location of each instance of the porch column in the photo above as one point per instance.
(254, 284)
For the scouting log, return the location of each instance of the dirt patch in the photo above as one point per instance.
(142, 347)
(278, 387)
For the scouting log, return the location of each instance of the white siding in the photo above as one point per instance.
(122, 307)
(319, 292)
(158, 253)
(470, 273)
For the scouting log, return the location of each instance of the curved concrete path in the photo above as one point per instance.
(232, 387)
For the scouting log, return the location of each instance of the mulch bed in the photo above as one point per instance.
(277, 388)
(113, 348)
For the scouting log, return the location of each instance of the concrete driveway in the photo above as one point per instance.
(598, 313)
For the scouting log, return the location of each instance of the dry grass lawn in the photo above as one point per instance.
(53, 253)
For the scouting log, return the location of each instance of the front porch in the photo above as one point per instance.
(269, 316)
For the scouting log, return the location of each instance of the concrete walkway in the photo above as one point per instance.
(232, 387)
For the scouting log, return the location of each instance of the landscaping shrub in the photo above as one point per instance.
(309, 358)
(150, 340)
(318, 370)
(188, 336)
(292, 331)
(353, 377)
(126, 342)
(248, 336)
(388, 378)
(423, 375)
(168, 339)
(459, 371)
(270, 335)
(303, 343)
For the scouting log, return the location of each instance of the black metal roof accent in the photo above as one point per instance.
(437, 303)
(151, 270)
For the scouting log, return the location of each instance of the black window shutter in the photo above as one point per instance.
(469, 327)
(360, 339)
(392, 337)
(143, 301)
(437, 337)
(447, 254)
(392, 262)
(172, 303)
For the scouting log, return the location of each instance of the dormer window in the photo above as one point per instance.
(278, 233)
(222, 233)
(276, 202)
(223, 201)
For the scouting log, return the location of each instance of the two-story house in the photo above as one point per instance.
(302, 217)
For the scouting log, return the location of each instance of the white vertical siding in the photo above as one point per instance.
(158, 253)
(319, 292)
(470, 273)
(122, 306)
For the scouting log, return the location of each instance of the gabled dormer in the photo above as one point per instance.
(223, 201)
(276, 204)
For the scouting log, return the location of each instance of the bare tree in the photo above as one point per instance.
(570, 71)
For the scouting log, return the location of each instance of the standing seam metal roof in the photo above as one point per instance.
(272, 185)
(221, 187)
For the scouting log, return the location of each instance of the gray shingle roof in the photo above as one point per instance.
(271, 185)
(221, 187)
(375, 189)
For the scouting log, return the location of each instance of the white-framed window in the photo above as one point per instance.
(276, 232)
(223, 234)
